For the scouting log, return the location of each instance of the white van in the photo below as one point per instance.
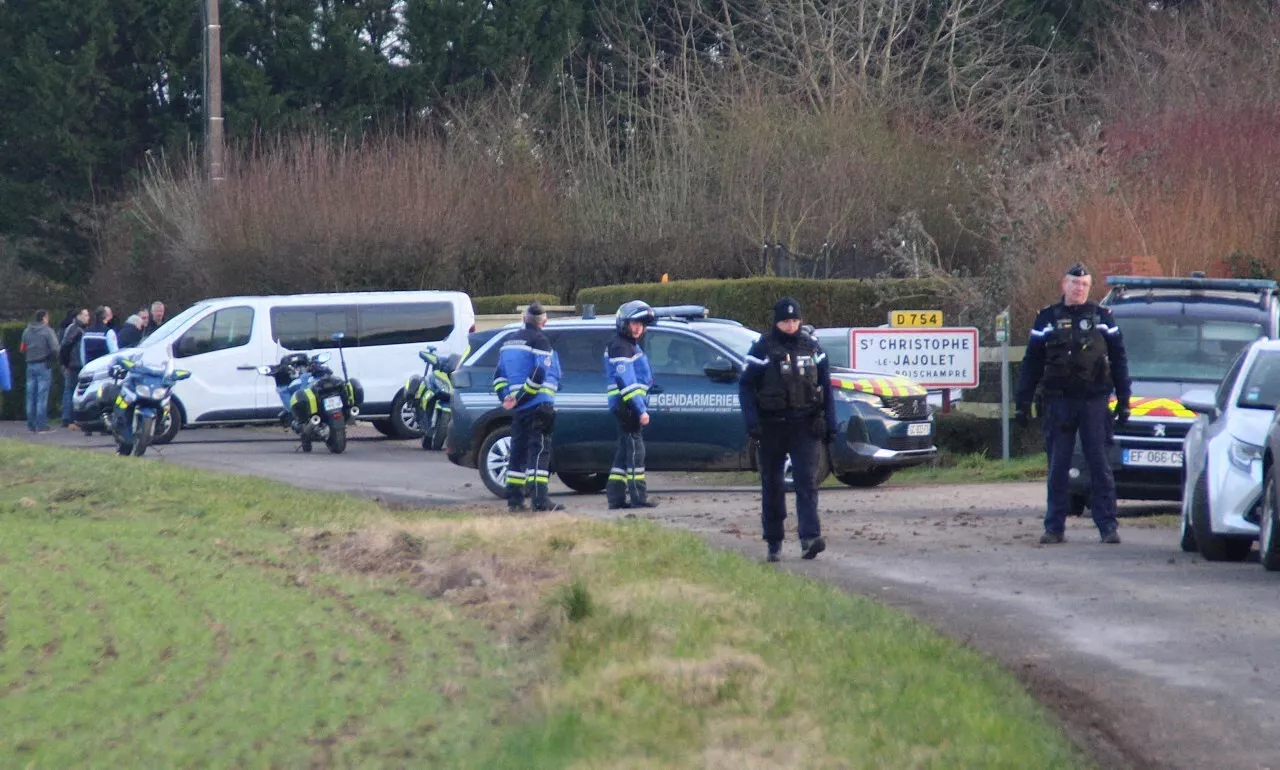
(224, 341)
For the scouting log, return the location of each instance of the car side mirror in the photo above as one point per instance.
(1201, 401)
(721, 371)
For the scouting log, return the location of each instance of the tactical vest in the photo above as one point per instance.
(790, 382)
(1075, 353)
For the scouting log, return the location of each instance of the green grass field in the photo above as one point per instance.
(156, 616)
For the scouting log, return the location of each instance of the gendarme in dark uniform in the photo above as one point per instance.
(1076, 355)
(785, 394)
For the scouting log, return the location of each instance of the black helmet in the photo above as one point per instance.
(294, 359)
(635, 310)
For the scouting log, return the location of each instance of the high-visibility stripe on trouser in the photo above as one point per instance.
(626, 477)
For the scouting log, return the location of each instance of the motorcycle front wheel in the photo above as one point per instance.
(143, 430)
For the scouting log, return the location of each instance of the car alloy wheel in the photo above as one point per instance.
(495, 461)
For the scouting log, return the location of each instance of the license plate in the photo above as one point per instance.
(919, 429)
(332, 403)
(1160, 458)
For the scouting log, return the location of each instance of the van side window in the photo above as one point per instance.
(309, 328)
(228, 328)
(405, 323)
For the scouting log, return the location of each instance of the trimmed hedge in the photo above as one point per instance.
(825, 303)
(13, 403)
(500, 304)
(962, 434)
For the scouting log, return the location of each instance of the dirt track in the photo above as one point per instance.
(1152, 657)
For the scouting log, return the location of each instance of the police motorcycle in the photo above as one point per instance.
(318, 404)
(142, 401)
(95, 409)
(432, 394)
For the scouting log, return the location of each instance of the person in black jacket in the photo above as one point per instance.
(1076, 355)
(785, 394)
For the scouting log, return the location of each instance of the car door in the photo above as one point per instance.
(223, 353)
(585, 432)
(695, 421)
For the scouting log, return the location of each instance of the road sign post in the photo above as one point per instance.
(1002, 336)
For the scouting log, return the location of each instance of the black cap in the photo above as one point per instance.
(535, 309)
(786, 308)
(1078, 270)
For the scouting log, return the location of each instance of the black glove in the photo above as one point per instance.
(1022, 415)
(754, 431)
(1122, 412)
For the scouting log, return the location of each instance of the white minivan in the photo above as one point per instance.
(222, 342)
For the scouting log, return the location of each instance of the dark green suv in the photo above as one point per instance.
(885, 422)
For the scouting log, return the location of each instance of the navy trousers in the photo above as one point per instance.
(1091, 419)
(777, 440)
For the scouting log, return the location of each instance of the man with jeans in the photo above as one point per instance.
(40, 346)
(69, 357)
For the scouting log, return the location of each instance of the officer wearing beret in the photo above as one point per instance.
(785, 394)
(1076, 355)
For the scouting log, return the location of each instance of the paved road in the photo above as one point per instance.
(1151, 657)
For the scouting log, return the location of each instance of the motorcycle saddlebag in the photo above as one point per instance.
(354, 392)
(305, 403)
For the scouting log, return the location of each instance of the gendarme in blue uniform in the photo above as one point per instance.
(627, 379)
(1076, 356)
(529, 370)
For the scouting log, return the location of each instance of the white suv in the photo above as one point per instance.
(1222, 455)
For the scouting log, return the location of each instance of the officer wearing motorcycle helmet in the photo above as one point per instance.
(526, 379)
(1076, 355)
(786, 399)
(628, 379)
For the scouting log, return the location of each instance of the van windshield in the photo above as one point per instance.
(1181, 348)
(168, 328)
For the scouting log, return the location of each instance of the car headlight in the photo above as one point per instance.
(849, 396)
(1243, 454)
(143, 391)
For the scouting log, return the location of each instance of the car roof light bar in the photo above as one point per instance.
(1202, 284)
(688, 312)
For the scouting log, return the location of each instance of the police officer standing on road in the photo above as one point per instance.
(526, 378)
(1077, 356)
(786, 399)
(628, 379)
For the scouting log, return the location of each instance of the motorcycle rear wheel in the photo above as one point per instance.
(337, 439)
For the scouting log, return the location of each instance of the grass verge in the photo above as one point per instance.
(152, 615)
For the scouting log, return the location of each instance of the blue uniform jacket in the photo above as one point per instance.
(527, 368)
(758, 361)
(1034, 359)
(627, 375)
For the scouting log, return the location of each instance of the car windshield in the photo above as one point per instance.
(737, 339)
(1182, 348)
(168, 328)
(1262, 387)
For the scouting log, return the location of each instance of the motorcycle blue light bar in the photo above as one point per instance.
(1203, 284)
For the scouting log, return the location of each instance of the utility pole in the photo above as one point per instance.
(213, 90)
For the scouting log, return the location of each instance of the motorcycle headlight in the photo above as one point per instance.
(849, 396)
(159, 392)
(143, 390)
(1243, 454)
